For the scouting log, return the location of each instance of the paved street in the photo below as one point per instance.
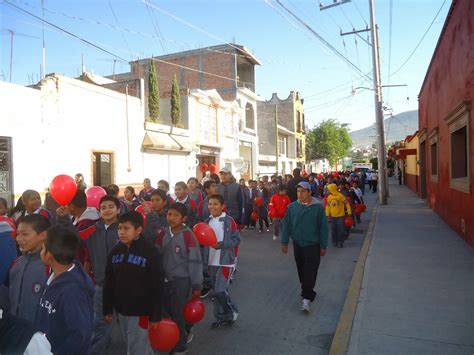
(418, 288)
(266, 290)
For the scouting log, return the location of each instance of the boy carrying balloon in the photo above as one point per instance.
(182, 266)
(222, 261)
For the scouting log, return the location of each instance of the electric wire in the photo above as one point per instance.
(117, 22)
(155, 25)
(320, 38)
(421, 40)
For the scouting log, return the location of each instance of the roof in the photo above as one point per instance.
(438, 44)
(408, 139)
(226, 48)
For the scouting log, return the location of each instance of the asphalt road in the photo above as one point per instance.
(266, 291)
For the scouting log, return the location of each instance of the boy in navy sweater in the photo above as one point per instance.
(65, 310)
(133, 283)
(182, 196)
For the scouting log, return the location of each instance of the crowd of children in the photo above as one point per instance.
(79, 268)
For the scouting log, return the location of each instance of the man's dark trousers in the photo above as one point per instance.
(307, 262)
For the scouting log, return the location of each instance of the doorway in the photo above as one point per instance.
(6, 171)
(423, 169)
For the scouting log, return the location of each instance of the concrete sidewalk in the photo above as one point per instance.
(417, 294)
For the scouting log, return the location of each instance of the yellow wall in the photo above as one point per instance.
(299, 106)
(411, 167)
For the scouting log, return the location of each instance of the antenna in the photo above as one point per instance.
(43, 73)
(12, 37)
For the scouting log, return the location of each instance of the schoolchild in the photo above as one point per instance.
(32, 205)
(133, 285)
(222, 261)
(65, 310)
(182, 196)
(336, 209)
(155, 215)
(183, 270)
(164, 185)
(194, 190)
(28, 275)
(277, 208)
(130, 198)
(262, 209)
(210, 188)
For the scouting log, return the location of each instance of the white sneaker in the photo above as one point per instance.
(305, 306)
(235, 316)
(275, 237)
(190, 337)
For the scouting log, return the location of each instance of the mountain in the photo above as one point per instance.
(397, 127)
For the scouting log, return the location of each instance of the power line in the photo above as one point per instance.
(319, 37)
(360, 13)
(109, 52)
(117, 22)
(421, 40)
(389, 45)
(155, 25)
(128, 30)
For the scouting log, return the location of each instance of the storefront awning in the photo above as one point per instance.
(165, 141)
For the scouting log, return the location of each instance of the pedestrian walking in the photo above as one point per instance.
(306, 223)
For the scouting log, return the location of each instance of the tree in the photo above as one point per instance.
(153, 94)
(375, 163)
(175, 104)
(330, 140)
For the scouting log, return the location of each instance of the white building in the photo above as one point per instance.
(68, 126)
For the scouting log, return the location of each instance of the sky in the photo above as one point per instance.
(293, 59)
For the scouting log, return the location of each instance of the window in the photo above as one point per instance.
(207, 123)
(298, 122)
(433, 154)
(458, 122)
(459, 162)
(282, 145)
(102, 168)
(249, 117)
(434, 159)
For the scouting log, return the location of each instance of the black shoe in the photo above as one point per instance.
(205, 292)
(340, 245)
(222, 323)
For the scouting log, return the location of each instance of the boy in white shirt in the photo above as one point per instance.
(222, 261)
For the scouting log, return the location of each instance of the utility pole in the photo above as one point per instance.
(381, 156)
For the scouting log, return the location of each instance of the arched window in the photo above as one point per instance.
(249, 116)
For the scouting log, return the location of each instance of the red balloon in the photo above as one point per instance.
(364, 207)
(143, 322)
(63, 189)
(205, 234)
(320, 176)
(204, 167)
(271, 214)
(358, 209)
(94, 194)
(254, 215)
(335, 174)
(194, 311)
(140, 210)
(349, 221)
(213, 169)
(258, 201)
(164, 336)
(9, 222)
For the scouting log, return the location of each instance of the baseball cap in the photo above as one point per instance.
(225, 170)
(304, 185)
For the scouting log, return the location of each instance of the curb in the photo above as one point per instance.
(342, 336)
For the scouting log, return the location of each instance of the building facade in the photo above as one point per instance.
(68, 126)
(445, 121)
(281, 134)
(228, 68)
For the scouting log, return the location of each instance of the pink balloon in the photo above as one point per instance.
(94, 194)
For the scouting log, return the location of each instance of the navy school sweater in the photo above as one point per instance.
(65, 312)
(134, 280)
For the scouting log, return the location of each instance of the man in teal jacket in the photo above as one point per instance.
(305, 222)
